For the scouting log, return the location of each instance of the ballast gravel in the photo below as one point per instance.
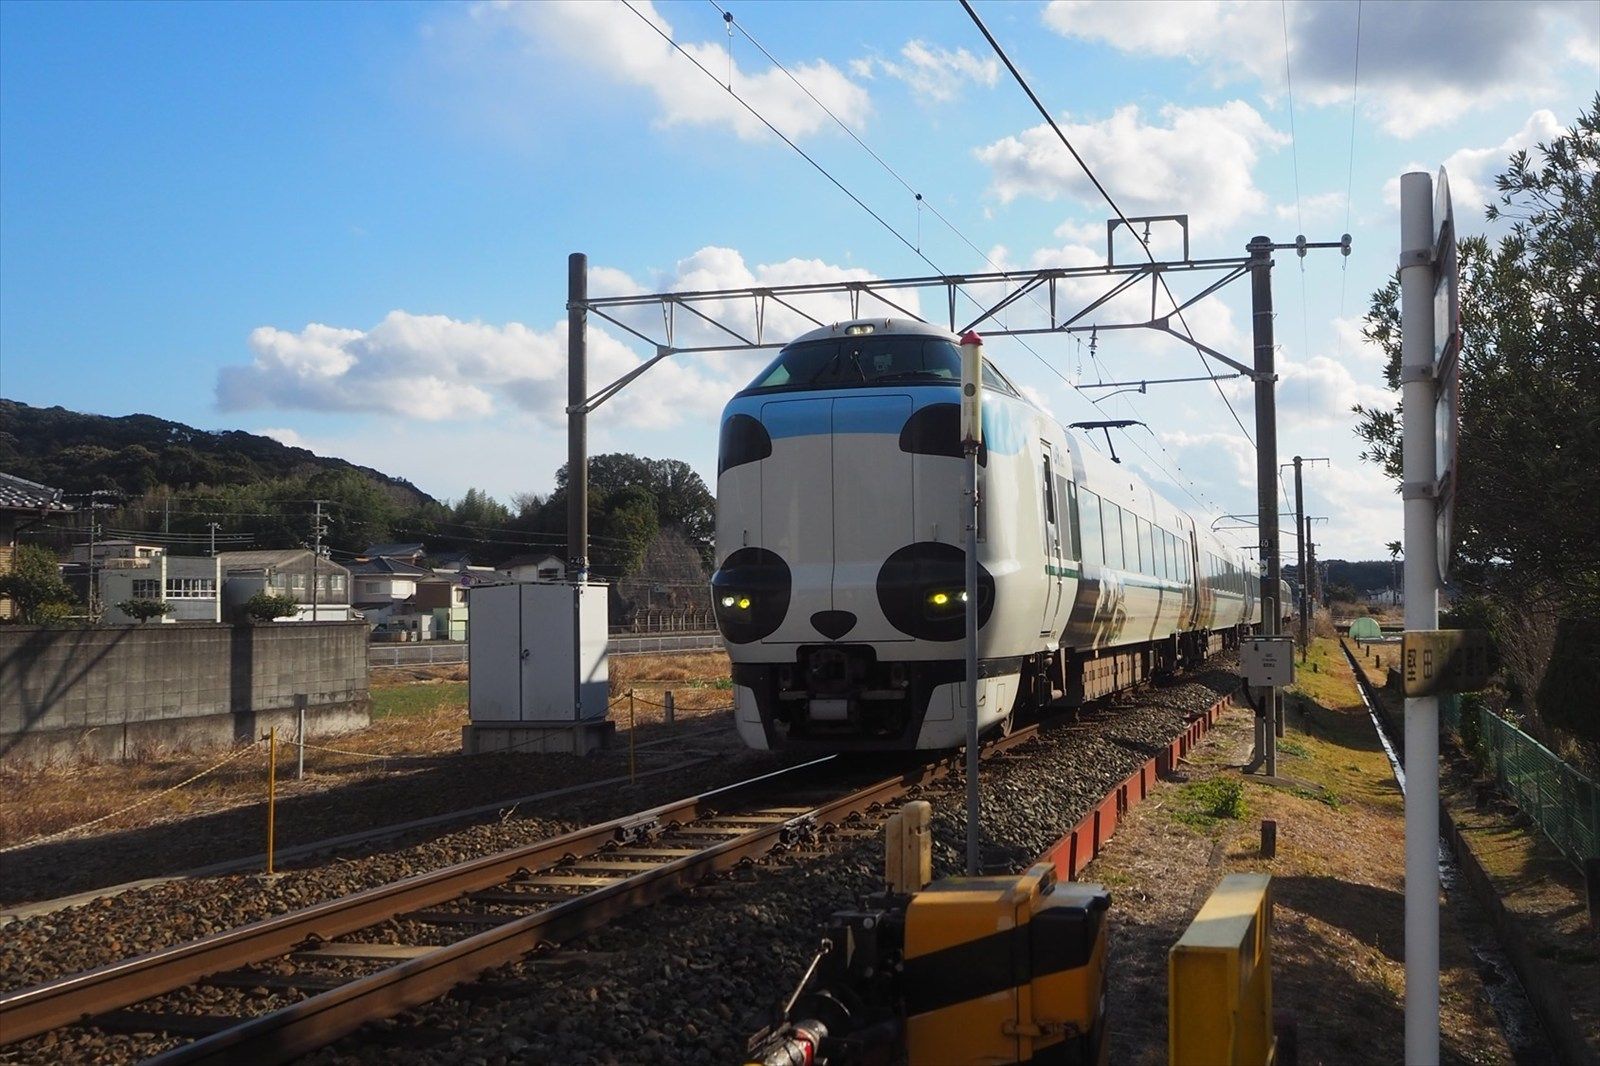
(689, 979)
(686, 980)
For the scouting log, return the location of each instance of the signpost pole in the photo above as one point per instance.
(971, 440)
(1422, 612)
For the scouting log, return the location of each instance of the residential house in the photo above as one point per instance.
(540, 566)
(286, 572)
(190, 585)
(409, 553)
(23, 503)
(445, 595)
(114, 553)
(384, 586)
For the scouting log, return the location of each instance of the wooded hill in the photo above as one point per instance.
(134, 454)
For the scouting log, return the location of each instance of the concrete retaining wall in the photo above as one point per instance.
(113, 692)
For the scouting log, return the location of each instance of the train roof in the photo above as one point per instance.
(878, 325)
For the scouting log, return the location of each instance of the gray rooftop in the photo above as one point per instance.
(20, 494)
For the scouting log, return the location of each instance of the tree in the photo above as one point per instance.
(34, 584)
(1395, 547)
(266, 606)
(1526, 506)
(144, 610)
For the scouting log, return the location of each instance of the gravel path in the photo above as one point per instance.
(685, 981)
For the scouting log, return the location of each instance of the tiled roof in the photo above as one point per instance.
(378, 551)
(273, 557)
(20, 494)
(394, 567)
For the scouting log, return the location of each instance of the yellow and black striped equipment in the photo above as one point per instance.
(969, 970)
(1005, 969)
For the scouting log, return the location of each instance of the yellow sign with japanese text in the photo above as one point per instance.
(1445, 660)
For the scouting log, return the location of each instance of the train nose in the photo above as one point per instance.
(833, 624)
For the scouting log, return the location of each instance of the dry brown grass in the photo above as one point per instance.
(417, 712)
(1338, 882)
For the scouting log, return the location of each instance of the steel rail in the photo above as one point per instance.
(28, 1012)
(323, 1018)
(320, 1019)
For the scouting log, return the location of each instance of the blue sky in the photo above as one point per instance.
(347, 224)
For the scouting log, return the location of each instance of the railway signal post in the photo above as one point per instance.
(1427, 357)
(971, 441)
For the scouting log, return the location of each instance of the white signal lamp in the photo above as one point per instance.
(971, 389)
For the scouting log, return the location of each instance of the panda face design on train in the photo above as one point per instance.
(841, 473)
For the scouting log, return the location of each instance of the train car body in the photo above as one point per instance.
(840, 552)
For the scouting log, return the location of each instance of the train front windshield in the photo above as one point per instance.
(868, 360)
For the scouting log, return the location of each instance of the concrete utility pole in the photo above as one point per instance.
(316, 556)
(577, 417)
(1303, 525)
(1311, 566)
(1266, 379)
(1417, 395)
(212, 526)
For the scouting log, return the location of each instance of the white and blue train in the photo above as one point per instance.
(840, 559)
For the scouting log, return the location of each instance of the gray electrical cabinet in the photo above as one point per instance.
(537, 653)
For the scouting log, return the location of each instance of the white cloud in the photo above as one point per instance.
(1472, 170)
(618, 44)
(933, 73)
(1199, 159)
(284, 436)
(1319, 207)
(1421, 65)
(437, 368)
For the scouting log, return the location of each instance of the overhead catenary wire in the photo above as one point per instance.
(921, 201)
(1350, 174)
(1300, 222)
(1106, 195)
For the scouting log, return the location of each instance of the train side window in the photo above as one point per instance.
(1130, 541)
(1147, 558)
(1089, 526)
(993, 379)
(1067, 492)
(1049, 489)
(1111, 524)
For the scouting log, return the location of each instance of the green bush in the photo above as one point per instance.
(1217, 797)
(265, 606)
(34, 584)
(143, 609)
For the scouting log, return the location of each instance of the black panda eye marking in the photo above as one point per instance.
(744, 440)
(920, 589)
(750, 594)
(936, 430)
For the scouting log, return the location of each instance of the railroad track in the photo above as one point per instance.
(328, 969)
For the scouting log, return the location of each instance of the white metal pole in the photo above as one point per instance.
(1422, 612)
(971, 441)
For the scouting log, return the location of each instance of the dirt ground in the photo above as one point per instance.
(1338, 886)
(417, 717)
(1543, 891)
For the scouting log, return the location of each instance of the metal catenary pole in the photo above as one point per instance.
(1422, 613)
(1300, 561)
(1260, 249)
(577, 416)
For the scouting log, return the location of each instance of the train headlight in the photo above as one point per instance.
(945, 598)
(740, 602)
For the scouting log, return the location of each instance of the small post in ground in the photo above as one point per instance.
(272, 791)
(300, 736)
(669, 709)
(632, 776)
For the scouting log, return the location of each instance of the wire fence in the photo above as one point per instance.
(1561, 801)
